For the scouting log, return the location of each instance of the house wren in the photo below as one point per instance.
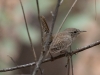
(63, 40)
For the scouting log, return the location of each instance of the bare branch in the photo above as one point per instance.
(66, 16)
(50, 59)
(52, 14)
(61, 2)
(28, 32)
(41, 71)
(37, 2)
(95, 11)
(68, 66)
(86, 47)
(48, 40)
(71, 62)
(55, 16)
(17, 67)
(30, 64)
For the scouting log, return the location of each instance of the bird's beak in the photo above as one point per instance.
(83, 31)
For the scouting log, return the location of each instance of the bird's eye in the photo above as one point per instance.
(75, 31)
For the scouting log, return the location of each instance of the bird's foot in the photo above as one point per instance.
(66, 65)
(64, 52)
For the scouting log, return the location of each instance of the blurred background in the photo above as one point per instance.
(14, 40)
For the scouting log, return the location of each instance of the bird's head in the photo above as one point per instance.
(73, 32)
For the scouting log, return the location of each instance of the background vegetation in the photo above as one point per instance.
(14, 40)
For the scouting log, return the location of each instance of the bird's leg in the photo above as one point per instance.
(52, 58)
(63, 51)
(71, 61)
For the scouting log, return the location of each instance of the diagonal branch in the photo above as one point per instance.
(50, 59)
(55, 15)
(28, 32)
(48, 40)
(86, 47)
(30, 64)
(66, 16)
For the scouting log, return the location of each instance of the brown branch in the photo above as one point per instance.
(38, 9)
(86, 47)
(55, 16)
(28, 31)
(30, 64)
(61, 2)
(48, 40)
(17, 67)
(50, 59)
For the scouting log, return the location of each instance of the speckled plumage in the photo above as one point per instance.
(63, 40)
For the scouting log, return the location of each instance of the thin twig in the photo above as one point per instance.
(41, 71)
(55, 16)
(66, 17)
(12, 59)
(71, 61)
(53, 22)
(48, 40)
(52, 14)
(95, 11)
(37, 3)
(28, 32)
(68, 67)
(15, 64)
(61, 2)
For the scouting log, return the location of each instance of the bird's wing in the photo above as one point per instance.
(60, 44)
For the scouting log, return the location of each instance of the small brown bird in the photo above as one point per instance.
(63, 40)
